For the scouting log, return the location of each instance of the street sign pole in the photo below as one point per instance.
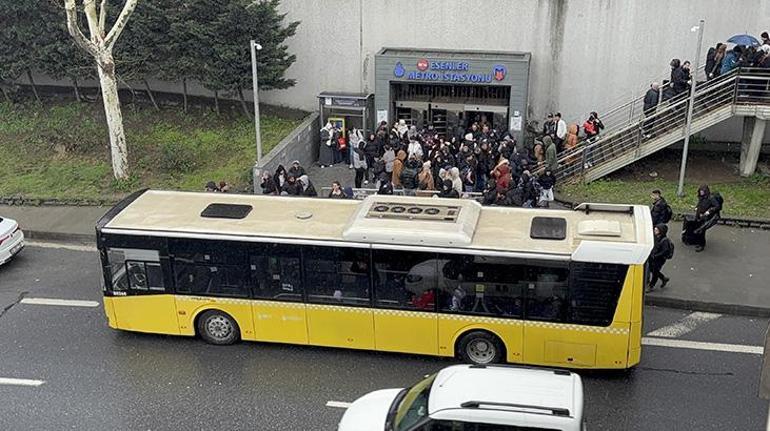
(683, 168)
(255, 93)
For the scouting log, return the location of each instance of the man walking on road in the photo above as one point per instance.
(662, 251)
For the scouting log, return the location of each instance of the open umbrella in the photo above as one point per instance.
(744, 39)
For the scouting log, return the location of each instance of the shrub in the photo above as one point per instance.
(175, 156)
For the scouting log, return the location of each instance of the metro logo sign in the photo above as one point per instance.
(422, 64)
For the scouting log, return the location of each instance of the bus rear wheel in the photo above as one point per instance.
(479, 347)
(216, 327)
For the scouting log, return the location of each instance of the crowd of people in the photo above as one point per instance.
(479, 160)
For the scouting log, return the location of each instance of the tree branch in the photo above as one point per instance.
(74, 30)
(97, 34)
(102, 15)
(120, 23)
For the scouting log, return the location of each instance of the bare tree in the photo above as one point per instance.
(99, 46)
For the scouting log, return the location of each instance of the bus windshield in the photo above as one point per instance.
(414, 406)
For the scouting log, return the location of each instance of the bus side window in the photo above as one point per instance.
(594, 291)
(337, 275)
(547, 293)
(405, 280)
(276, 273)
(481, 285)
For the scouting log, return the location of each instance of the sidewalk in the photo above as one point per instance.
(56, 223)
(731, 276)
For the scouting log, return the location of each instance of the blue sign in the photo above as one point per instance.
(448, 71)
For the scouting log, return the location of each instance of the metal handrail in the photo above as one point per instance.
(363, 192)
(744, 86)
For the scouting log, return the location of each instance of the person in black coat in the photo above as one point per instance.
(386, 185)
(650, 103)
(447, 191)
(678, 77)
(268, 185)
(660, 211)
(661, 251)
(291, 187)
(409, 174)
(707, 212)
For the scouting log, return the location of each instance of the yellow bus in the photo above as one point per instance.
(431, 276)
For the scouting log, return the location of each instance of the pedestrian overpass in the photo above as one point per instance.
(630, 135)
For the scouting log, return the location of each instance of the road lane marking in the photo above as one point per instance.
(684, 325)
(61, 246)
(701, 345)
(338, 404)
(20, 382)
(59, 302)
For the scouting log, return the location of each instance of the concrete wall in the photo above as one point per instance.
(301, 144)
(586, 54)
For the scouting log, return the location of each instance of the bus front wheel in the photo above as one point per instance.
(480, 347)
(216, 327)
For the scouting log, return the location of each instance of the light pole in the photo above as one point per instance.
(254, 48)
(683, 168)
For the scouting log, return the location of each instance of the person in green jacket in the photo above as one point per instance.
(551, 161)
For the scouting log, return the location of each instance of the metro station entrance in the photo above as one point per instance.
(448, 90)
(448, 108)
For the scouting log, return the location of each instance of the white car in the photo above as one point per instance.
(475, 397)
(11, 239)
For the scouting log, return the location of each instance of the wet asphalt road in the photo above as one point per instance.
(98, 379)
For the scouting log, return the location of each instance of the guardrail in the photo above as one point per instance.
(362, 193)
(744, 87)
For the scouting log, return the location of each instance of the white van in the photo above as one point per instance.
(477, 398)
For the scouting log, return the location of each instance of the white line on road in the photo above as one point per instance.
(72, 247)
(684, 325)
(338, 404)
(20, 382)
(59, 302)
(701, 345)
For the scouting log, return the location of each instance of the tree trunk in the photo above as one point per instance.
(149, 93)
(243, 102)
(77, 90)
(32, 83)
(184, 93)
(216, 101)
(109, 86)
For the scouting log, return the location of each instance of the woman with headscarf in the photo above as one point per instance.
(457, 182)
(327, 146)
(307, 188)
(425, 177)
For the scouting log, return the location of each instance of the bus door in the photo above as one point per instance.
(141, 300)
(404, 300)
(279, 312)
(337, 286)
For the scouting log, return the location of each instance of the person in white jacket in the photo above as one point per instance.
(561, 131)
(414, 149)
(355, 136)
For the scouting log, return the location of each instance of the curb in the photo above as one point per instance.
(763, 224)
(72, 238)
(710, 307)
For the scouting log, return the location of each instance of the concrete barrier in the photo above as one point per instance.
(301, 144)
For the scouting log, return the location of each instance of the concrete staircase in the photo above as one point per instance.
(745, 92)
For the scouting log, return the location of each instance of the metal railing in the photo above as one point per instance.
(362, 193)
(631, 111)
(745, 86)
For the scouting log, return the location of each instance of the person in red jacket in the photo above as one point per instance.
(502, 174)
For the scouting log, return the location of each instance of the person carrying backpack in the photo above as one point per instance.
(661, 211)
(662, 251)
(707, 213)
